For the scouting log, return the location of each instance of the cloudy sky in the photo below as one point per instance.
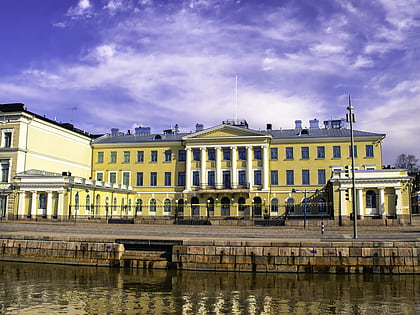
(124, 63)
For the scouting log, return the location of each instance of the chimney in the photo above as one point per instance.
(269, 127)
(114, 132)
(314, 124)
(199, 127)
(298, 124)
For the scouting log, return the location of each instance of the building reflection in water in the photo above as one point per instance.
(30, 288)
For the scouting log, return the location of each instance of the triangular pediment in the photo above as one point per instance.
(225, 131)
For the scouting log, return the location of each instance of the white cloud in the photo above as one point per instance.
(82, 9)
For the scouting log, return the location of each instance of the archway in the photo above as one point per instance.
(195, 207)
(225, 211)
(256, 208)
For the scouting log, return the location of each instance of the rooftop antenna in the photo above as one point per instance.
(236, 97)
(72, 112)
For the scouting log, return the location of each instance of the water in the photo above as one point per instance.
(56, 289)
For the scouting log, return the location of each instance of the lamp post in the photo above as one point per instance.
(176, 211)
(208, 210)
(350, 117)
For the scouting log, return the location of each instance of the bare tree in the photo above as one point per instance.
(408, 162)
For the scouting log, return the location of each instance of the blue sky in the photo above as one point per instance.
(125, 63)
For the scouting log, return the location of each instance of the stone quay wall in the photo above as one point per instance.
(299, 257)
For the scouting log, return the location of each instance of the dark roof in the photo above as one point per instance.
(126, 138)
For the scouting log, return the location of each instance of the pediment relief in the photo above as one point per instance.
(225, 131)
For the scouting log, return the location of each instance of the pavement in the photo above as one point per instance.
(107, 232)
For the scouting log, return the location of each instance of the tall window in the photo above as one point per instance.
(320, 152)
(5, 172)
(153, 156)
(322, 205)
(140, 156)
(369, 151)
(305, 177)
(225, 211)
(153, 179)
(321, 177)
(167, 178)
(167, 206)
(226, 154)
(87, 204)
(196, 178)
(305, 153)
(139, 179)
(242, 178)
(336, 152)
(139, 206)
(152, 204)
(370, 199)
(290, 205)
(274, 178)
(257, 177)
(113, 157)
(126, 178)
(289, 153)
(211, 155)
(168, 155)
(242, 154)
(257, 153)
(274, 155)
(181, 155)
(100, 157)
(196, 155)
(100, 176)
(113, 177)
(354, 151)
(210, 178)
(126, 157)
(274, 205)
(290, 177)
(7, 139)
(226, 179)
(181, 178)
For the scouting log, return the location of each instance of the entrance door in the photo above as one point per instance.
(256, 208)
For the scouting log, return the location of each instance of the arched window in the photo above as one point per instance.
(290, 205)
(195, 206)
(107, 206)
(370, 199)
(306, 205)
(180, 206)
(115, 204)
(122, 205)
(322, 205)
(152, 203)
(97, 204)
(274, 205)
(76, 201)
(210, 206)
(87, 204)
(241, 204)
(225, 206)
(139, 206)
(167, 206)
(256, 209)
(129, 205)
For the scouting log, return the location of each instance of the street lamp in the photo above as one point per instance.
(350, 117)
(208, 210)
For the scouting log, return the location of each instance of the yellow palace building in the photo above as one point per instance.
(226, 174)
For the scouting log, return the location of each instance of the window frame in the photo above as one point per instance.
(304, 153)
(320, 152)
(153, 179)
(289, 153)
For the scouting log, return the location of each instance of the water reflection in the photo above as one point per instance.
(53, 289)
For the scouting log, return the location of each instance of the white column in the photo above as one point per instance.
(264, 150)
(343, 202)
(34, 206)
(381, 201)
(219, 183)
(203, 177)
(188, 169)
(60, 206)
(249, 166)
(234, 170)
(21, 206)
(398, 206)
(49, 204)
(360, 209)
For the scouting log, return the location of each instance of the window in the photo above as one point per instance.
(274, 153)
(181, 155)
(196, 155)
(126, 178)
(305, 153)
(167, 178)
(113, 157)
(196, 178)
(274, 177)
(152, 204)
(321, 177)
(257, 153)
(140, 156)
(139, 179)
(369, 151)
(226, 154)
(153, 179)
(242, 154)
(306, 205)
(126, 157)
(242, 178)
(257, 177)
(99, 176)
(320, 152)
(274, 205)
(226, 179)
(87, 203)
(210, 154)
(167, 206)
(5, 172)
(322, 205)
(7, 139)
(225, 211)
(181, 178)
(139, 206)
(290, 177)
(336, 152)
(100, 157)
(153, 156)
(113, 177)
(168, 155)
(210, 179)
(370, 199)
(305, 177)
(289, 153)
(290, 205)
(354, 150)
